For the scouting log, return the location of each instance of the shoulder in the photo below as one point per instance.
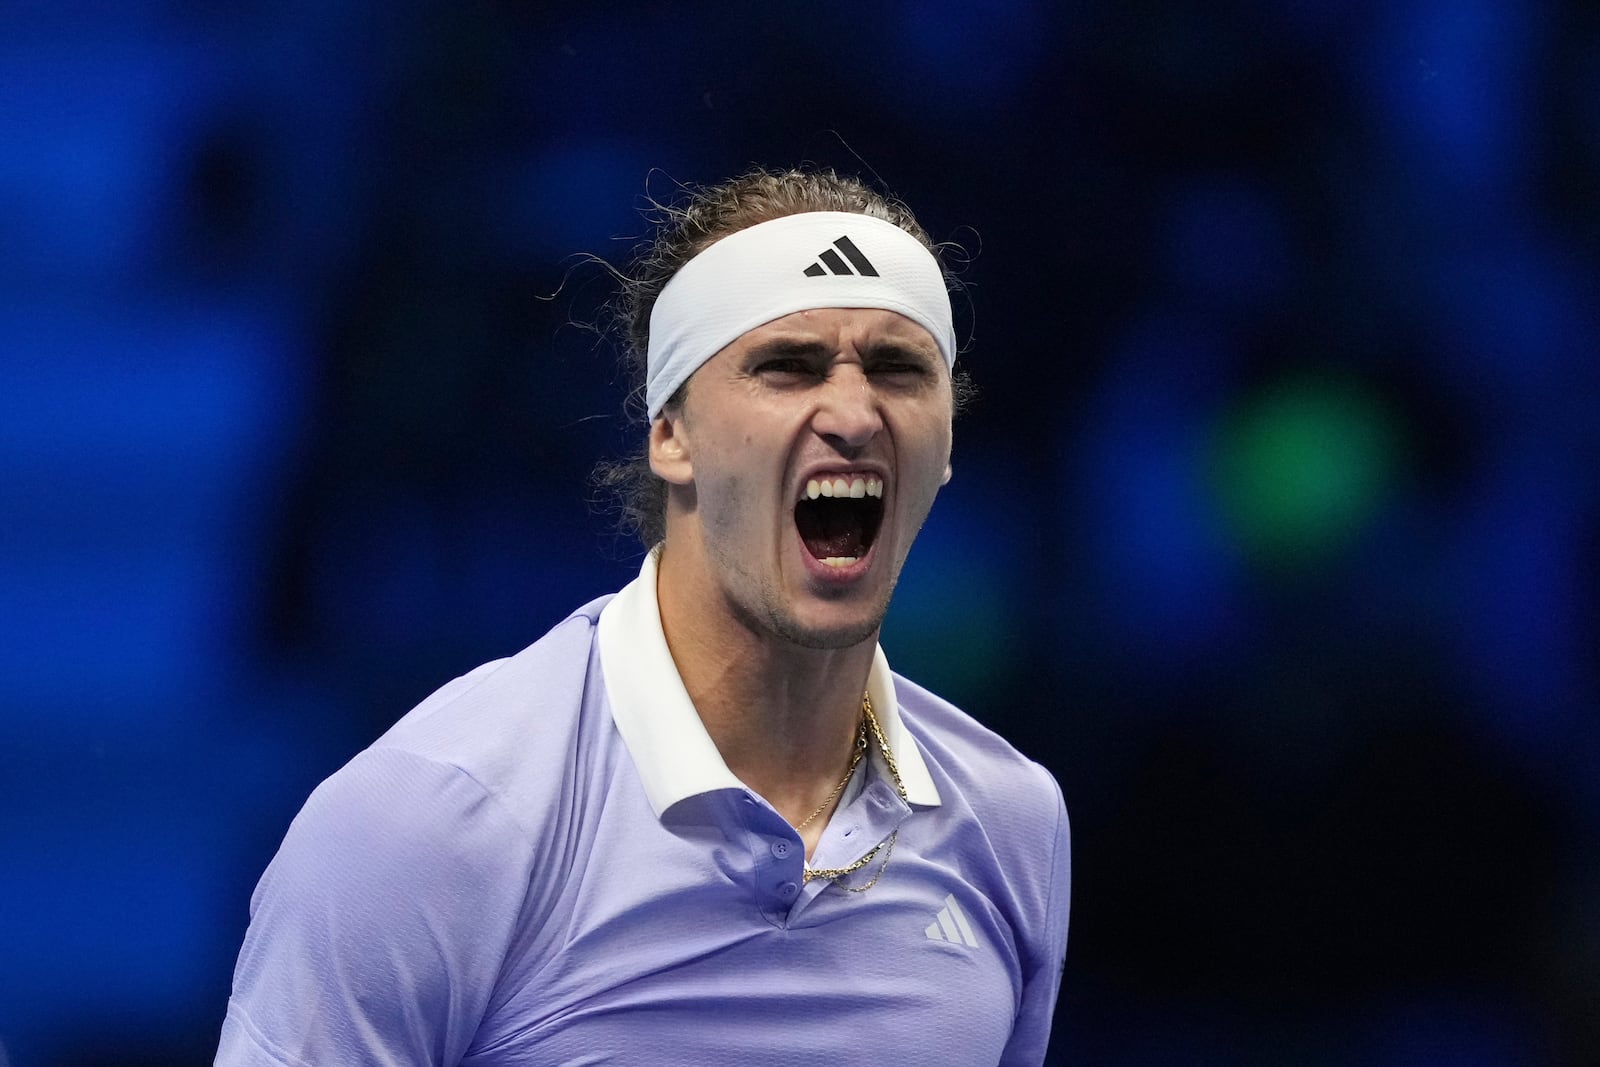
(472, 753)
(410, 869)
(1007, 813)
(374, 931)
(467, 778)
(984, 769)
(501, 688)
(390, 817)
(515, 725)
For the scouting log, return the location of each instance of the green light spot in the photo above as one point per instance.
(1303, 468)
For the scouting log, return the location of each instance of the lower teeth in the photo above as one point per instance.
(840, 561)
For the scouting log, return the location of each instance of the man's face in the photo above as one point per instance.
(810, 449)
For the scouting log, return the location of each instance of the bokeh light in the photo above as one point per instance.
(1303, 468)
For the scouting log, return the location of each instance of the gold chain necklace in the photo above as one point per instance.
(855, 759)
(834, 874)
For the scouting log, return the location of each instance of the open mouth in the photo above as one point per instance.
(838, 517)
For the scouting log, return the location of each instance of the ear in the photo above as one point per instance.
(669, 449)
(948, 472)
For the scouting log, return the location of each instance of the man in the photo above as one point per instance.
(700, 821)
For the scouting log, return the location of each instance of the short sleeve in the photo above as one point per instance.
(1042, 960)
(377, 932)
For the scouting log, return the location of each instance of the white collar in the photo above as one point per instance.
(675, 756)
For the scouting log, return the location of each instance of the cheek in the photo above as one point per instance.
(933, 463)
(726, 504)
(936, 451)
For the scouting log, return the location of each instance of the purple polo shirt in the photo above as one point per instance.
(547, 862)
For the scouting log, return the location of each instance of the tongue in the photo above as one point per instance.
(841, 544)
(830, 531)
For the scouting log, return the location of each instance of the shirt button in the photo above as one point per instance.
(787, 890)
(780, 849)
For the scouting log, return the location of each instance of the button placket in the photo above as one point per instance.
(776, 852)
(785, 867)
(876, 814)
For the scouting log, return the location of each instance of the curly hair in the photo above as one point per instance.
(705, 215)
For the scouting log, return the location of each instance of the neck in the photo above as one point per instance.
(783, 717)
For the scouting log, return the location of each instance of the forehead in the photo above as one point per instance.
(839, 328)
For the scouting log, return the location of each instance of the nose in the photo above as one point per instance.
(847, 409)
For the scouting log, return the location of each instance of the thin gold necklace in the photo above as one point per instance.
(860, 750)
(834, 874)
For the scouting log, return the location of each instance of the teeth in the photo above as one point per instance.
(840, 561)
(855, 488)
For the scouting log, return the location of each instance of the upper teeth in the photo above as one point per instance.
(856, 486)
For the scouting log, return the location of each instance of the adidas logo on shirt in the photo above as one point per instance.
(830, 260)
(951, 925)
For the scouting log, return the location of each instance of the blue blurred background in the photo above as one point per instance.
(1275, 533)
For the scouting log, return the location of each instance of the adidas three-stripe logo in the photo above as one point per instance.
(830, 260)
(951, 925)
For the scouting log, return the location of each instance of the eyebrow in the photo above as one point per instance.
(782, 346)
(901, 350)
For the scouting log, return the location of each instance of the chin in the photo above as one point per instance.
(820, 631)
(830, 639)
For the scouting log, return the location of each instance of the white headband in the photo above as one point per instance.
(820, 259)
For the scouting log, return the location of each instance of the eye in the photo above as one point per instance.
(899, 363)
(905, 371)
(785, 367)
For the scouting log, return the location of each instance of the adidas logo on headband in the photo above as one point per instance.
(764, 272)
(832, 261)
